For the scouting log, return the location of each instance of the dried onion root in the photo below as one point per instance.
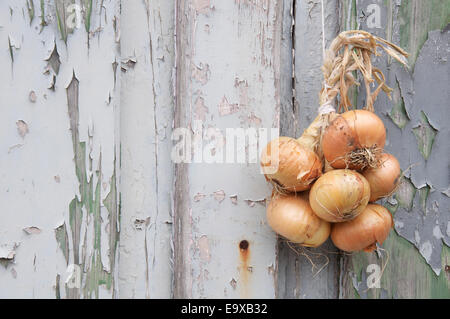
(355, 139)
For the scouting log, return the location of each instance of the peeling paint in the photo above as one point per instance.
(32, 97)
(425, 134)
(8, 251)
(32, 230)
(225, 108)
(198, 197)
(22, 128)
(53, 60)
(219, 195)
(251, 202)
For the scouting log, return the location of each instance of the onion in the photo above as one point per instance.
(384, 179)
(363, 232)
(339, 195)
(290, 166)
(291, 216)
(354, 140)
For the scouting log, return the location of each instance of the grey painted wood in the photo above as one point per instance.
(87, 115)
(146, 119)
(228, 76)
(309, 272)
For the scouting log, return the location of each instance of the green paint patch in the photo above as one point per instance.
(407, 275)
(60, 19)
(63, 240)
(43, 22)
(64, 11)
(416, 19)
(425, 135)
(405, 194)
(391, 207)
(423, 197)
(58, 287)
(88, 14)
(11, 54)
(398, 112)
(90, 204)
(30, 8)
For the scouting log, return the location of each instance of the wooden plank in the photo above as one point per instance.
(147, 49)
(309, 272)
(228, 76)
(417, 131)
(58, 236)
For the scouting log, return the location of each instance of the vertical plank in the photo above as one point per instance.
(309, 272)
(416, 126)
(228, 76)
(147, 104)
(59, 103)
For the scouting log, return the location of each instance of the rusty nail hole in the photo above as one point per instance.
(447, 268)
(243, 245)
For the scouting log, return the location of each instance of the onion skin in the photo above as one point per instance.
(352, 130)
(384, 179)
(363, 232)
(339, 195)
(298, 166)
(291, 216)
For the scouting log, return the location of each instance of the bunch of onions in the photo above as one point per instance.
(384, 179)
(372, 226)
(355, 139)
(339, 195)
(339, 158)
(291, 216)
(289, 166)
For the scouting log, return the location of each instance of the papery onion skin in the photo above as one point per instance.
(298, 166)
(339, 195)
(384, 179)
(291, 216)
(352, 130)
(362, 233)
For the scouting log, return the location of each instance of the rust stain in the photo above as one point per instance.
(244, 269)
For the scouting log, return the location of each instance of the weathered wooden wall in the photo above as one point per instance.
(91, 93)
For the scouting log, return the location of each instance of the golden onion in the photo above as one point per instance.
(384, 179)
(362, 233)
(289, 166)
(355, 140)
(339, 195)
(291, 216)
